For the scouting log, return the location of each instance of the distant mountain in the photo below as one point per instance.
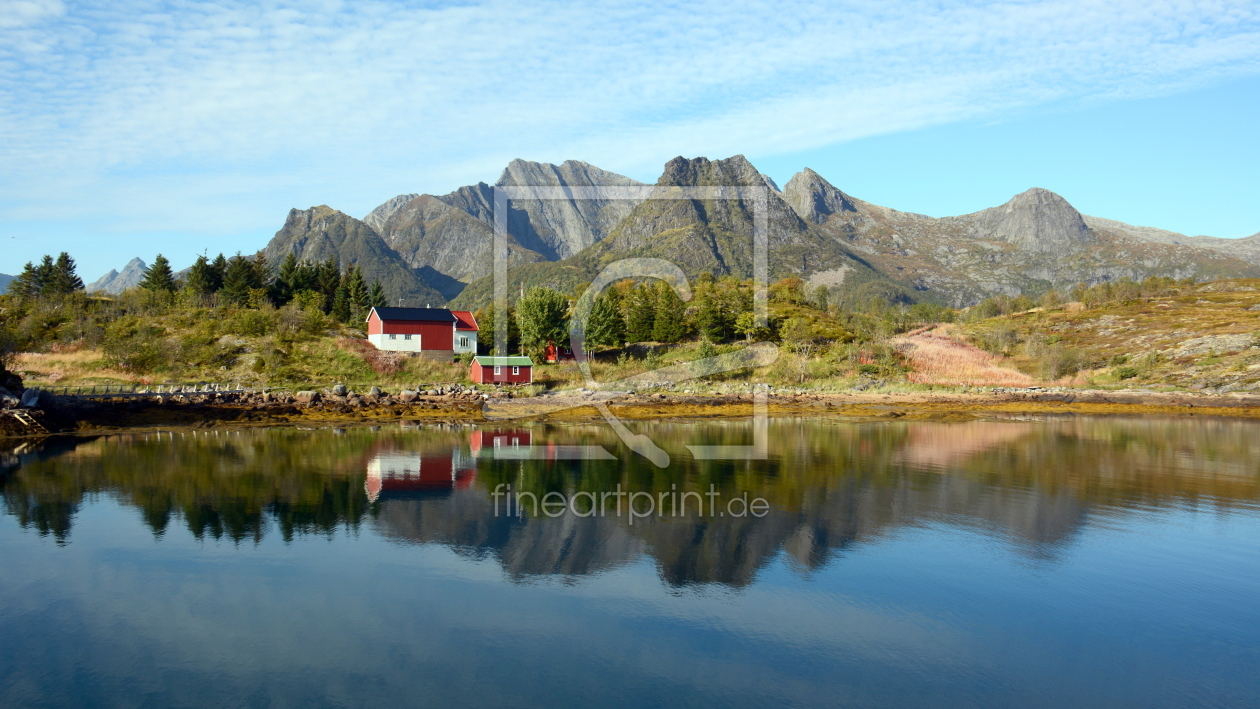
(321, 232)
(437, 248)
(1246, 248)
(116, 282)
(5, 280)
(1034, 242)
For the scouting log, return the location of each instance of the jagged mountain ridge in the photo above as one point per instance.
(1035, 241)
(116, 282)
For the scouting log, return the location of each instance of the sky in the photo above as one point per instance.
(129, 128)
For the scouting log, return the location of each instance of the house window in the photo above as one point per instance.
(516, 370)
(392, 336)
(406, 337)
(497, 371)
(463, 342)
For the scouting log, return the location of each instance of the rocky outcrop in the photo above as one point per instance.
(116, 282)
(319, 233)
(1036, 220)
(814, 199)
(561, 228)
(377, 217)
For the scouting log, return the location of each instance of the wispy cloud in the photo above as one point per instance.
(131, 114)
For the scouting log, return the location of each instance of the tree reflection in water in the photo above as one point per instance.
(831, 485)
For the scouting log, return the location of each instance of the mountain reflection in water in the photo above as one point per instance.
(830, 485)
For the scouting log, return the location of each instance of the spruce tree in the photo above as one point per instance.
(669, 311)
(239, 277)
(28, 283)
(158, 277)
(218, 272)
(357, 292)
(200, 280)
(341, 303)
(63, 279)
(640, 310)
(287, 279)
(327, 280)
(376, 295)
(606, 326)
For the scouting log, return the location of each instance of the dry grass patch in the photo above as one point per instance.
(939, 356)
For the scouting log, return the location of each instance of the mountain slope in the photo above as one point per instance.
(429, 232)
(702, 236)
(321, 232)
(1246, 248)
(116, 282)
(1034, 242)
(5, 280)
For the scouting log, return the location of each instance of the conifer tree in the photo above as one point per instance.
(606, 326)
(63, 278)
(667, 321)
(239, 278)
(341, 303)
(327, 280)
(640, 309)
(27, 283)
(201, 277)
(357, 293)
(158, 277)
(287, 278)
(218, 272)
(376, 295)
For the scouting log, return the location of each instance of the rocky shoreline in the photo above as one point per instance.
(456, 404)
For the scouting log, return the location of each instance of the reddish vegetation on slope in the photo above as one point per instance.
(940, 357)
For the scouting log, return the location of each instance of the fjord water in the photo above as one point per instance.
(1075, 562)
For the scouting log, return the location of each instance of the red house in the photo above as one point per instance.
(553, 353)
(427, 331)
(502, 370)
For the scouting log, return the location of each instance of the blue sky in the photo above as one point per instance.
(128, 128)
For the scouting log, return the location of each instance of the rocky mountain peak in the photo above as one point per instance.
(116, 282)
(813, 198)
(693, 172)
(1037, 220)
(377, 217)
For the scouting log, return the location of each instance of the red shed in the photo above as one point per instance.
(502, 370)
(428, 331)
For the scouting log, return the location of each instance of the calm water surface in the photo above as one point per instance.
(1078, 562)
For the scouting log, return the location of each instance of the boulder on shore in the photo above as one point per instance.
(307, 397)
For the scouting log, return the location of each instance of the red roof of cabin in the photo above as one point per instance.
(464, 320)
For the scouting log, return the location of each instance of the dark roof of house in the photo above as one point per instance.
(415, 314)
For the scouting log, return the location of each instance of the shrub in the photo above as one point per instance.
(1126, 372)
(1059, 361)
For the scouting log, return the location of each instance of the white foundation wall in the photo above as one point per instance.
(382, 342)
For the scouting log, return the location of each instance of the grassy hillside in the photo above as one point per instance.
(1194, 337)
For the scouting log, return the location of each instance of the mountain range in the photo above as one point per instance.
(5, 280)
(435, 249)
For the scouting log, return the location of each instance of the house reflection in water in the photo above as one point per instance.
(419, 473)
(498, 439)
